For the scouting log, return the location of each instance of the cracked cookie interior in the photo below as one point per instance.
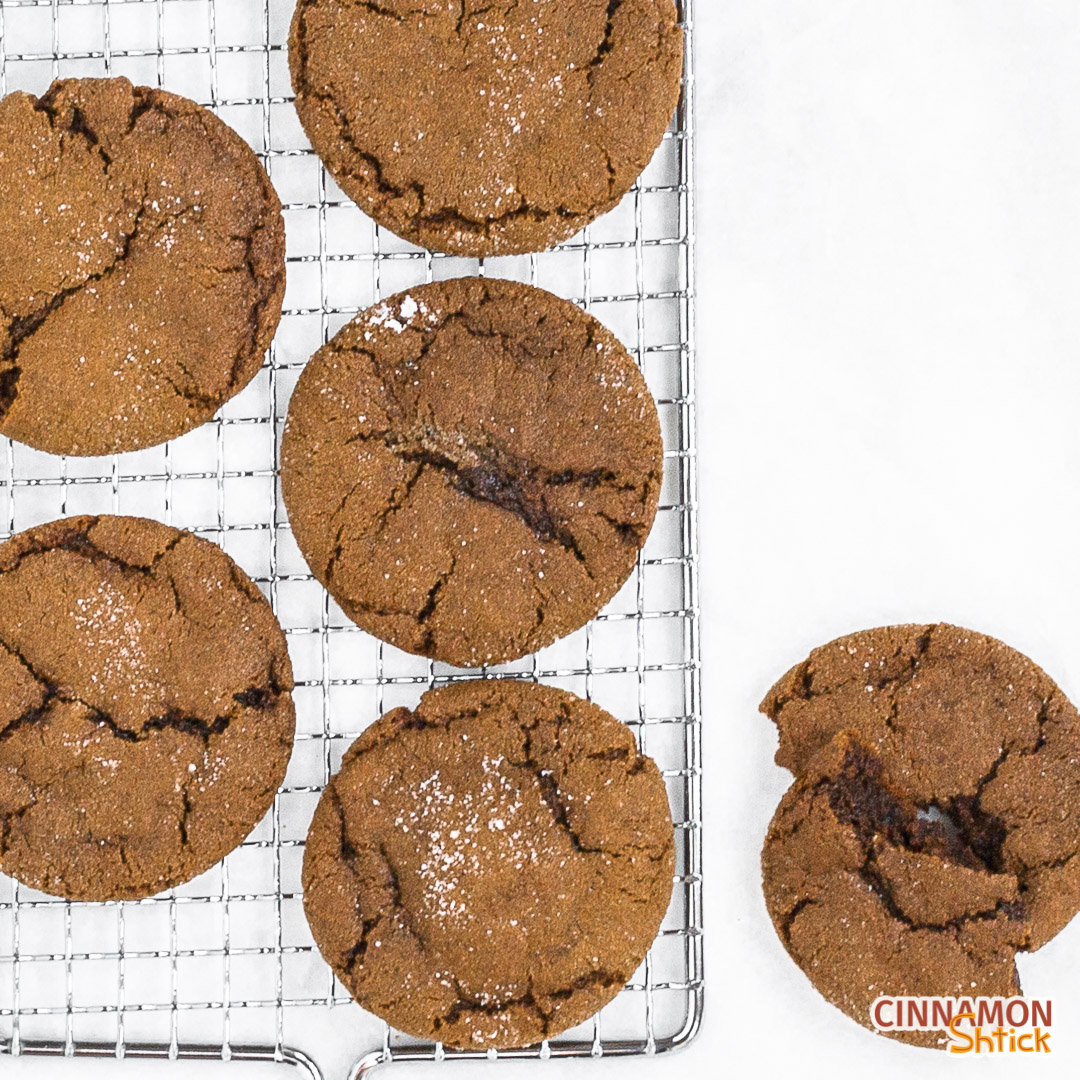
(471, 469)
(490, 868)
(146, 718)
(486, 128)
(871, 897)
(934, 827)
(142, 270)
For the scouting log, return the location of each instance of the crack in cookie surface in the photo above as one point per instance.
(472, 522)
(510, 853)
(146, 716)
(938, 790)
(125, 209)
(452, 166)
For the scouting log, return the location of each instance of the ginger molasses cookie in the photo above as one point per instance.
(142, 269)
(489, 869)
(145, 711)
(938, 796)
(471, 469)
(872, 896)
(486, 129)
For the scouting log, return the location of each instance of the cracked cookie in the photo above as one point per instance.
(146, 719)
(934, 828)
(485, 128)
(471, 469)
(142, 269)
(489, 869)
(870, 895)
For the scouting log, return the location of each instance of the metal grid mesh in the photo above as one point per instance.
(225, 966)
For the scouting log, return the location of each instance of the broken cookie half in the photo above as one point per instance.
(933, 828)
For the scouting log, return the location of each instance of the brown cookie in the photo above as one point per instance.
(486, 129)
(872, 898)
(145, 711)
(939, 797)
(471, 469)
(490, 869)
(142, 269)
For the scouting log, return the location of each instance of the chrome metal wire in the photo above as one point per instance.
(225, 967)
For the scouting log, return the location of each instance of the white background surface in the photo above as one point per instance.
(889, 389)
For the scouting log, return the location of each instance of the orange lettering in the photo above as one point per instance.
(954, 1047)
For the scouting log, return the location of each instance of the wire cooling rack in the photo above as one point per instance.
(225, 967)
